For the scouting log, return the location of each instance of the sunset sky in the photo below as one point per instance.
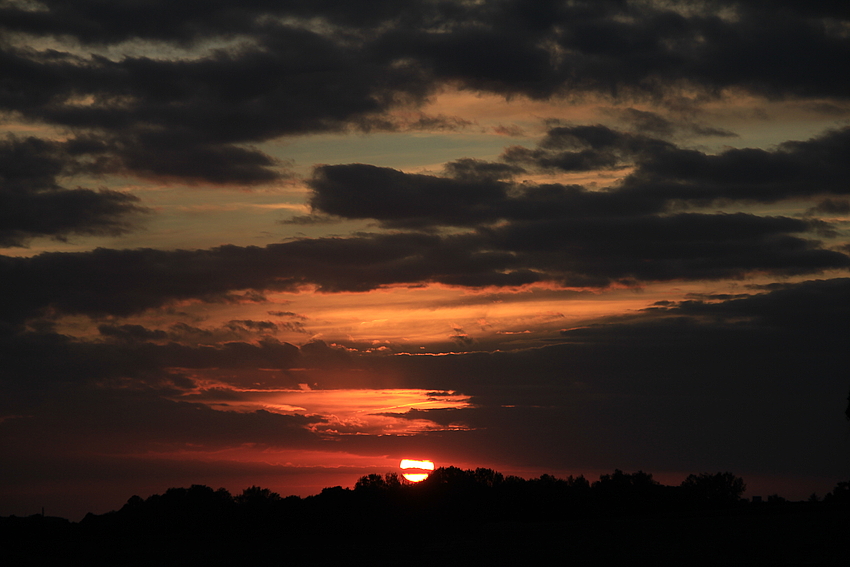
(288, 243)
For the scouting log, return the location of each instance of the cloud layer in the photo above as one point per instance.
(256, 71)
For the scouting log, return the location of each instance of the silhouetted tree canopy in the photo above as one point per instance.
(376, 482)
(839, 495)
(502, 520)
(256, 496)
(717, 489)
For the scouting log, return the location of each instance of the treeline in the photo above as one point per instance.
(548, 497)
(443, 517)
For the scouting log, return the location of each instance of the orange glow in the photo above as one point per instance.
(344, 411)
(413, 465)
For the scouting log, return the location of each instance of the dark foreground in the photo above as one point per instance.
(455, 520)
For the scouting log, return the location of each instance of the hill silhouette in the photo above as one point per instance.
(455, 517)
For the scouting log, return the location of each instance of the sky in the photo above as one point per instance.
(289, 243)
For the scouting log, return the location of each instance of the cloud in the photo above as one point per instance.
(665, 176)
(633, 231)
(366, 191)
(794, 169)
(574, 251)
(131, 333)
(116, 22)
(34, 204)
(696, 385)
(692, 385)
(245, 77)
(831, 206)
(586, 148)
(189, 118)
(139, 357)
(653, 123)
(664, 172)
(127, 422)
(628, 49)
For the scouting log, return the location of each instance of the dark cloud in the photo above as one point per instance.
(187, 118)
(794, 169)
(396, 198)
(310, 219)
(668, 247)
(287, 314)
(586, 148)
(571, 249)
(101, 22)
(169, 156)
(249, 325)
(132, 333)
(831, 206)
(422, 122)
(478, 170)
(34, 204)
(133, 422)
(337, 65)
(748, 381)
(665, 172)
(476, 193)
(652, 123)
(629, 49)
(627, 233)
(692, 385)
(134, 354)
(565, 234)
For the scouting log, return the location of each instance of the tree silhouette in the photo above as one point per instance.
(717, 489)
(839, 495)
(392, 480)
(622, 490)
(370, 482)
(488, 477)
(256, 496)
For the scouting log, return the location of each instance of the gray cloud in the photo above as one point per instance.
(33, 203)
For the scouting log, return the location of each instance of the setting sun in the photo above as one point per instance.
(419, 470)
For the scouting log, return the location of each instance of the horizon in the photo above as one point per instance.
(251, 243)
(75, 511)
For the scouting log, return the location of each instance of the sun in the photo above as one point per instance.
(417, 470)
